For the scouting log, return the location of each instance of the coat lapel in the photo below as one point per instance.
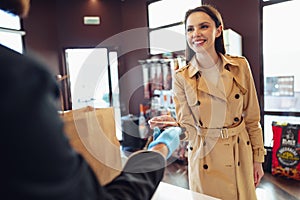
(211, 89)
(206, 86)
(230, 74)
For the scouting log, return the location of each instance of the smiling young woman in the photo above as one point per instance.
(201, 33)
(216, 103)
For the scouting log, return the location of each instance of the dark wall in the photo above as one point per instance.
(71, 30)
(134, 18)
(41, 33)
(53, 25)
(244, 18)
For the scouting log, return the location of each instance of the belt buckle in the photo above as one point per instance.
(224, 133)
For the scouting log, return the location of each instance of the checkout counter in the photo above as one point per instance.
(165, 191)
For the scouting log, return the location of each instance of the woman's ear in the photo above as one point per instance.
(219, 31)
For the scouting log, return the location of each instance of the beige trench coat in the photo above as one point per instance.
(220, 165)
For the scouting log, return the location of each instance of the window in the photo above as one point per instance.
(168, 27)
(169, 39)
(84, 64)
(10, 33)
(93, 75)
(281, 49)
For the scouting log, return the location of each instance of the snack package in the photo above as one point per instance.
(286, 150)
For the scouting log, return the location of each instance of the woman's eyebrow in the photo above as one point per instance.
(200, 24)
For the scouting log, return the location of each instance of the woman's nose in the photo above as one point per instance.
(196, 32)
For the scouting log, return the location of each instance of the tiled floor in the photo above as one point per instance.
(278, 188)
(271, 188)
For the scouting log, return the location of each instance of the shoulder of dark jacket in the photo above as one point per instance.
(26, 72)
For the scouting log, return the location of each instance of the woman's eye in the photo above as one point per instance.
(189, 29)
(204, 26)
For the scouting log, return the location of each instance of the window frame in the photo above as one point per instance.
(14, 30)
(262, 78)
(160, 28)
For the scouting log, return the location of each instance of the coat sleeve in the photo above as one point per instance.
(251, 115)
(37, 161)
(183, 112)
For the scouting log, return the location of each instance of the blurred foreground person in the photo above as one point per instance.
(37, 161)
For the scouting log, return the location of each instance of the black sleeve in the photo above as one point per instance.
(139, 179)
(37, 161)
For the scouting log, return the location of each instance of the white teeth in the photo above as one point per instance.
(198, 42)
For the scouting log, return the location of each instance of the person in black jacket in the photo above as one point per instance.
(37, 161)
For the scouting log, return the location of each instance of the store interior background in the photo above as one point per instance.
(55, 25)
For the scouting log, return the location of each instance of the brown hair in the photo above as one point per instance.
(217, 18)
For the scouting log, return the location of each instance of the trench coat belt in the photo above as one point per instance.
(224, 133)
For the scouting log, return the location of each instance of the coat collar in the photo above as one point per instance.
(227, 63)
(217, 91)
(227, 60)
(192, 70)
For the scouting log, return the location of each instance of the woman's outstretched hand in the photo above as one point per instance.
(162, 121)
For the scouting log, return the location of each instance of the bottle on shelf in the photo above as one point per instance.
(143, 129)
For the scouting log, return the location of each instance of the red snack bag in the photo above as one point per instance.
(286, 150)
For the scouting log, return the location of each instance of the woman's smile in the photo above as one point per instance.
(199, 42)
